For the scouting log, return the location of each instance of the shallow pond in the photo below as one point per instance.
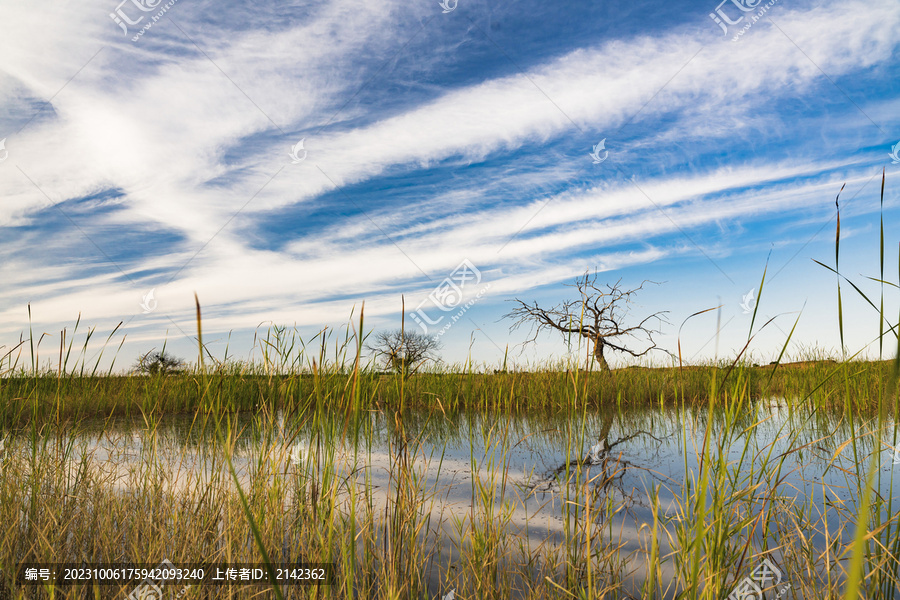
(544, 481)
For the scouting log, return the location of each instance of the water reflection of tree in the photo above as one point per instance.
(601, 472)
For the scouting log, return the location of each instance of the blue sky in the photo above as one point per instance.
(167, 161)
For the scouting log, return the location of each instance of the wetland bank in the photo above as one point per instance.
(561, 482)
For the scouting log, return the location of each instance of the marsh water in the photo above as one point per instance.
(532, 472)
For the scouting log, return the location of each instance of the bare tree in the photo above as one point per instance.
(155, 362)
(404, 352)
(598, 315)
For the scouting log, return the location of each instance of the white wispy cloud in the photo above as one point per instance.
(159, 127)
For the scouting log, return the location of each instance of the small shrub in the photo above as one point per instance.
(158, 362)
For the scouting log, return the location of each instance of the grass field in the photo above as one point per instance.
(57, 504)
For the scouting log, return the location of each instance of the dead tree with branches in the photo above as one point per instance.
(404, 352)
(598, 314)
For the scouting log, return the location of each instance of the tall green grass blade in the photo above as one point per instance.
(881, 272)
(855, 287)
(762, 283)
(837, 235)
(860, 539)
(257, 536)
(102, 348)
(837, 268)
(31, 342)
(784, 347)
(883, 281)
(896, 370)
(199, 335)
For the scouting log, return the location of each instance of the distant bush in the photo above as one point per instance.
(158, 362)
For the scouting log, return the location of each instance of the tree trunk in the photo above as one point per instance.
(400, 364)
(598, 354)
